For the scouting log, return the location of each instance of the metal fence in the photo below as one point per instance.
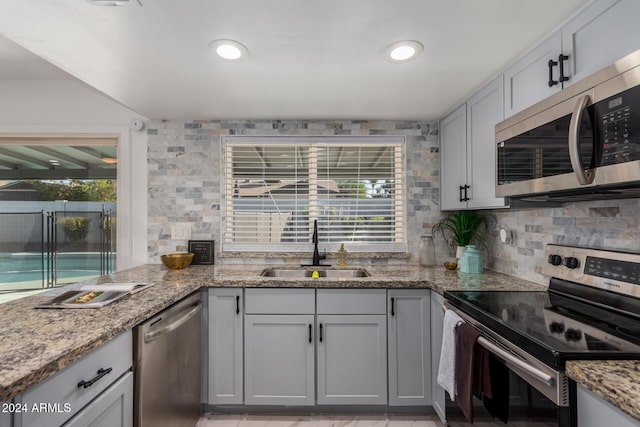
(51, 248)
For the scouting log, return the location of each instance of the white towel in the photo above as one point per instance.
(447, 368)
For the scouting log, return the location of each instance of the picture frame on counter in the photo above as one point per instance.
(203, 251)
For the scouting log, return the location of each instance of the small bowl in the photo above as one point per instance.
(450, 265)
(177, 261)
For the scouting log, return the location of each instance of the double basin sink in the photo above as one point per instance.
(311, 273)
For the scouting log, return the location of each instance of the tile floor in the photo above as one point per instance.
(216, 420)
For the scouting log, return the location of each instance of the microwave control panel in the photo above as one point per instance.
(619, 118)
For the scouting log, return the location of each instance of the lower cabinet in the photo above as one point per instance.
(225, 346)
(409, 347)
(595, 412)
(437, 319)
(306, 347)
(279, 360)
(96, 390)
(352, 359)
(113, 408)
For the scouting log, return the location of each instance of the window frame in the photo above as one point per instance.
(397, 246)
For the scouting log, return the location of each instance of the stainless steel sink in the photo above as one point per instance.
(293, 273)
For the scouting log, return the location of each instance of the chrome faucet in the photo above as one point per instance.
(316, 256)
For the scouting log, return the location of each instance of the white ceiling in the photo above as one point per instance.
(309, 59)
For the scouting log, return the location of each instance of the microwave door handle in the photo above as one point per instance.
(584, 177)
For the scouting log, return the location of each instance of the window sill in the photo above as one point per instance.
(304, 255)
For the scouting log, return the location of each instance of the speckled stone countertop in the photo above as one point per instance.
(438, 279)
(616, 381)
(36, 343)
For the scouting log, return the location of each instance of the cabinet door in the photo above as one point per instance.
(595, 412)
(484, 111)
(601, 34)
(437, 318)
(225, 346)
(453, 159)
(352, 359)
(5, 416)
(527, 81)
(112, 408)
(279, 360)
(409, 341)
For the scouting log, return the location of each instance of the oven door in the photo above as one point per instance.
(537, 391)
(553, 150)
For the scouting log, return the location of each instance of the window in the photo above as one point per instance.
(277, 186)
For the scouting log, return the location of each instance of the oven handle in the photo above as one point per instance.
(549, 380)
(584, 177)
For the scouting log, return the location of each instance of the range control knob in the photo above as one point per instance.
(556, 327)
(554, 259)
(571, 262)
(573, 335)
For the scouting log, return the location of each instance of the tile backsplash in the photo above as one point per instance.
(609, 224)
(184, 172)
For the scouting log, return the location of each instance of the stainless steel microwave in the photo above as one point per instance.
(580, 144)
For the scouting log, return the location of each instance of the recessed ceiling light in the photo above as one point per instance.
(109, 160)
(403, 51)
(229, 49)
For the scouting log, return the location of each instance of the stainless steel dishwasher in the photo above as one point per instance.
(167, 367)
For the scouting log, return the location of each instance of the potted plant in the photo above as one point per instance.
(462, 228)
(75, 227)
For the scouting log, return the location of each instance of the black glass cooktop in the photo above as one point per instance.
(552, 327)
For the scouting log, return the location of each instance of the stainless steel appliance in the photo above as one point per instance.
(580, 144)
(167, 367)
(590, 311)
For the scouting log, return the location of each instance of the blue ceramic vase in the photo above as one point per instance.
(471, 260)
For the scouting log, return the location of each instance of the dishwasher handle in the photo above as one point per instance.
(150, 336)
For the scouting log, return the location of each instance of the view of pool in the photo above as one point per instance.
(28, 270)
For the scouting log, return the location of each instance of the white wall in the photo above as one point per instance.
(69, 106)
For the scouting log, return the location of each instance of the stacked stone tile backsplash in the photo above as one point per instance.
(184, 173)
(609, 224)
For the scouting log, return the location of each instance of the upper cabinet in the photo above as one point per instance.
(467, 151)
(600, 34)
(534, 77)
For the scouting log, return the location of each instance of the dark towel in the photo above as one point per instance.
(465, 357)
(498, 403)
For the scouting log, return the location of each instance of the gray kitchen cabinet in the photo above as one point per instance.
(5, 414)
(225, 346)
(484, 110)
(467, 151)
(527, 80)
(409, 347)
(600, 34)
(112, 408)
(595, 412)
(604, 32)
(352, 359)
(453, 159)
(437, 318)
(279, 360)
(77, 387)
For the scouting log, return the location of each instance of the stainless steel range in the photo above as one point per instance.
(590, 311)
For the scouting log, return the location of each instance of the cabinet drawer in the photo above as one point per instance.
(352, 301)
(62, 395)
(279, 301)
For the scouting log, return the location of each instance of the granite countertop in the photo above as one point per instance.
(36, 343)
(615, 381)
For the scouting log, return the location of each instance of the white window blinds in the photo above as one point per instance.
(275, 187)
